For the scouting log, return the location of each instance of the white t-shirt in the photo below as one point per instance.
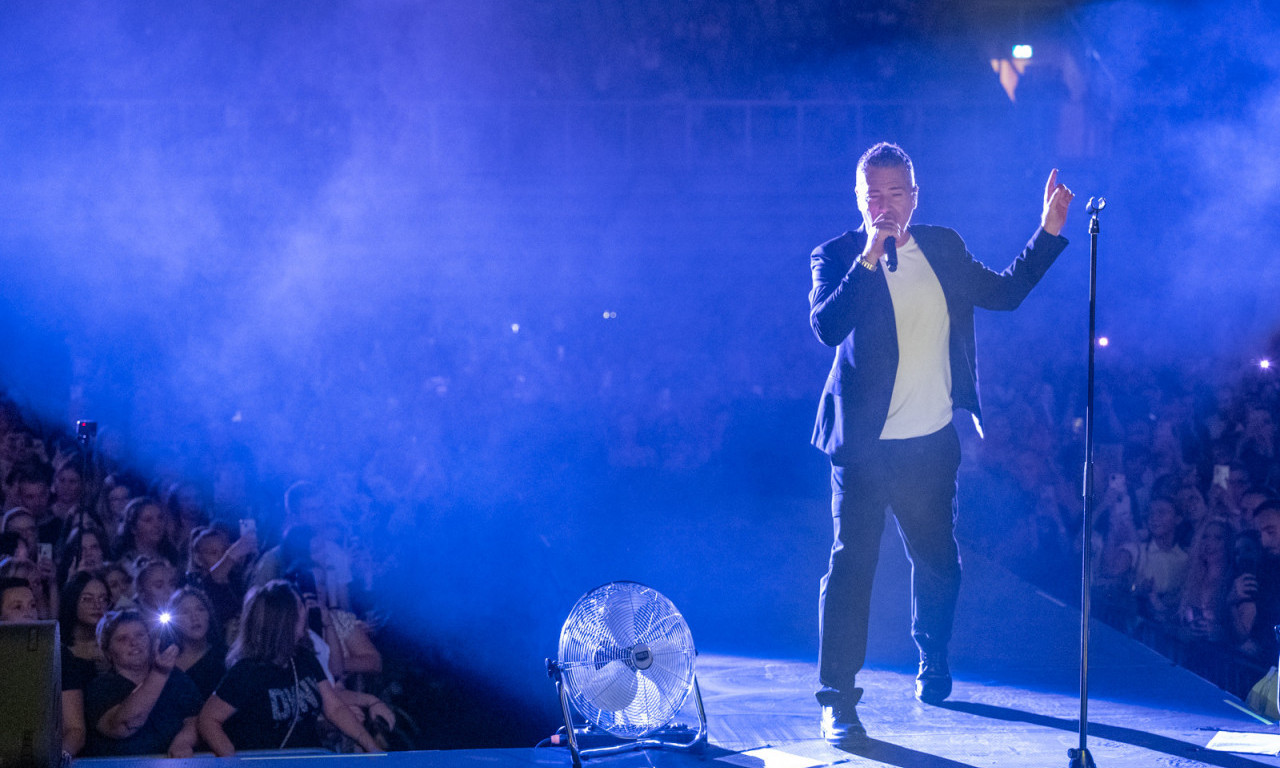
(1166, 569)
(921, 401)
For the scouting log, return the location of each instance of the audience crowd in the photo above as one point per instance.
(1186, 528)
(192, 622)
(184, 630)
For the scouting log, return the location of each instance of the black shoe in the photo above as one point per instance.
(840, 724)
(933, 683)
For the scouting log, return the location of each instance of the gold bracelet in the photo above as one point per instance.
(863, 261)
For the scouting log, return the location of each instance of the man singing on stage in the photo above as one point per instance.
(896, 299)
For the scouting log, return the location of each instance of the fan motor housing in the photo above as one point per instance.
(641, 658)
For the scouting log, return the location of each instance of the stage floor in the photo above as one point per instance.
(1015, 662)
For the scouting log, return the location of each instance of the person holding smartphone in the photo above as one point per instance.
(1116, 541)
(202, 653)
(39, 568)
(1255, 594)
(306, 505)
(143, 705)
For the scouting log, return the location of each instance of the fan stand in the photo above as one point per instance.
(698, 741)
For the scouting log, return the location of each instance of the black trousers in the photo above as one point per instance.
(916, 478)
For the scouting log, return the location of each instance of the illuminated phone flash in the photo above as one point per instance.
(1264, 364)
(165, 618)
(1103, 341)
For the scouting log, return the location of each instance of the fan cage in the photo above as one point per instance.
(627, 658)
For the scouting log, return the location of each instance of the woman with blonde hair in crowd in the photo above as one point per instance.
(1202, 613)
(156, 582)
(275, 690)
(41, 580)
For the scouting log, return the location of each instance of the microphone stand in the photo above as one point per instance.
(1080, 757)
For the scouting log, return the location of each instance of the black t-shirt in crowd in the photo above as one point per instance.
(1268, 604)
(179, 699)
(49, 531)
(76, 672)
(207, 672)
(265, 697)
(225, 598)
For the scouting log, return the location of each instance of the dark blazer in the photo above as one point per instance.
(850, 309)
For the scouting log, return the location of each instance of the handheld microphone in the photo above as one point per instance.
(891, 253)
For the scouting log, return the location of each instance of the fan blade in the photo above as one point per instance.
(619, 617)
(654, 709)
(672, 646)
(671, 666)
(668, 625)
(611, 687)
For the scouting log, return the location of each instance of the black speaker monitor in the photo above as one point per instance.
(30, 695)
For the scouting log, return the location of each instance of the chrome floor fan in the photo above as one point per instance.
(627, 666)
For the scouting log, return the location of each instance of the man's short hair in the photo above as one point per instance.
(12, 582)
(1270, 506)
(30, 471)
(111, 621)
(886, 155)
(296, 494)
(1166, 485)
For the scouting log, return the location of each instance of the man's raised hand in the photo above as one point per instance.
(1057, 199)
